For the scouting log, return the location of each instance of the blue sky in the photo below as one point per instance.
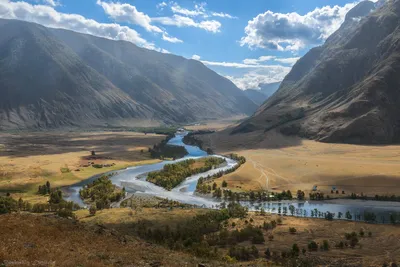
(248, 41)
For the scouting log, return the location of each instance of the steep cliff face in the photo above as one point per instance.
(52, 78)
(347, 90)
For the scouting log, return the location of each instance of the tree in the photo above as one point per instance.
(92, 210)
(295, 250)
(267, 253)
(312, 246)
(292, 209)
(325, 245)
(348, 215)
(214, 186)
(340, 215)
(292, 230)
(224, 184)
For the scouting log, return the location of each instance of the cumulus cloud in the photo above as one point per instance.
(292, 31)
(48, 16)
(182, 21)
(128, 13)
(253, 79)
(253, 73)
(196, 57)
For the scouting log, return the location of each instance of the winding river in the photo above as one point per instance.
(134, 181)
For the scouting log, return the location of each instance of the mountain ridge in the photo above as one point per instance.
(345, 90)
(53, 77)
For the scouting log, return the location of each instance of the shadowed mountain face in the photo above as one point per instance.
(52, 78)
(347, 90)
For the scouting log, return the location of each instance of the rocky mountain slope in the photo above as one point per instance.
(53, 78)
(256, 96)
(347, 90)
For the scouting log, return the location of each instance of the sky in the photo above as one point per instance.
(250, 42)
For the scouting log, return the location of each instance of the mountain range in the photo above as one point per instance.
(348, 89)
(52, 78)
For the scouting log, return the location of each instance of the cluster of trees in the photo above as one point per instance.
(174, 174)
(55, 204)
(203, 186)
(244, 253)
(101, 192)
(317, 196)
(200, 234)
(163, 150)
(44, 189)
(387, 198)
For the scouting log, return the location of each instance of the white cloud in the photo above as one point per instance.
(52, 2)
(256, 77)
(290, 60)
(128, 13)
(170, 39)
(223, 15)
(256, 61)
(198, 10)
(196, 57)
(161, 5)
(255, 73)
(181, 21)
(235, 65)
(49, 17)
(291, 31)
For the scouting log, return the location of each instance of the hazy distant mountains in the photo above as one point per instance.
(347, 90)
(259, 96)
(52, 78)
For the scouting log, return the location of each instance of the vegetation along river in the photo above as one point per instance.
(134, 181)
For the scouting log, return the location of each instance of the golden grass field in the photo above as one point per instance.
(280, 163)
(30, 159)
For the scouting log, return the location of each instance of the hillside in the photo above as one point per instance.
(256, 96)
(53, 78)
(345, 90)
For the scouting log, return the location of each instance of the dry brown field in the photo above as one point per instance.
(279, 162)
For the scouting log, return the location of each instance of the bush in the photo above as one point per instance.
(325, 245)
(292, 230)
(312, 246)
(7, 205)
(92, 210)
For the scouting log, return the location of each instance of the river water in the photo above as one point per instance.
(134, 181)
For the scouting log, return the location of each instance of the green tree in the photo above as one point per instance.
(348, 215)
(92, 210)
(224, 184)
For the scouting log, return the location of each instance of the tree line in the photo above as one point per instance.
(173, 174)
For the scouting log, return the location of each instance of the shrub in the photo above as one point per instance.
(312, 246)
(325, 245)
(92, 210)
(292, 230)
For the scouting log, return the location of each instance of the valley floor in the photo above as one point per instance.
(279, 162)
(28, 160)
